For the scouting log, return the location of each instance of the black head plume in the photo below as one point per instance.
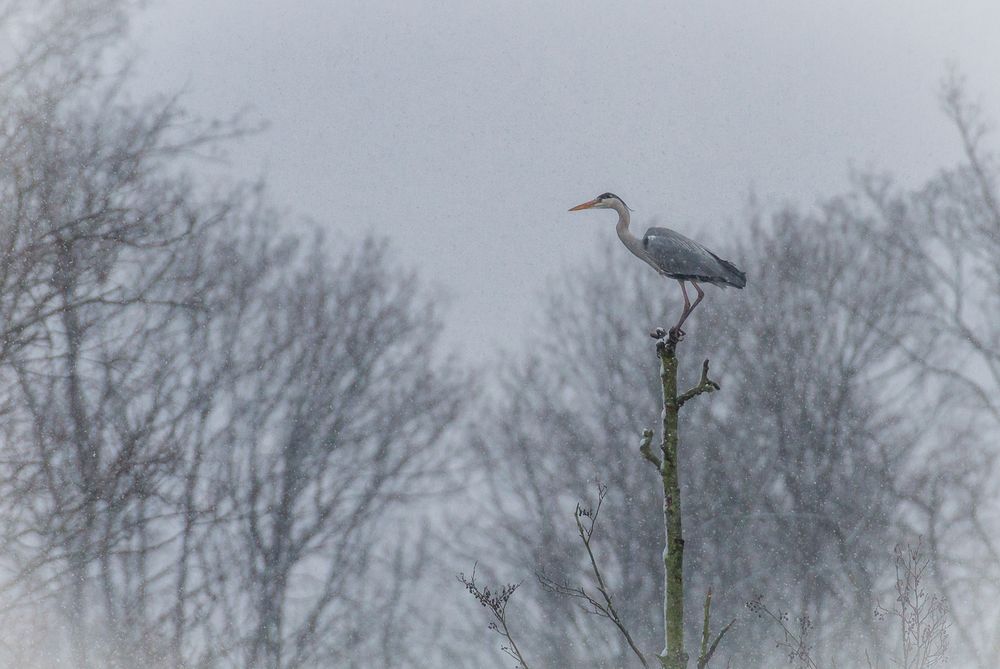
(608, 196)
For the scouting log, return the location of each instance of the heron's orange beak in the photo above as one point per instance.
(585, 205)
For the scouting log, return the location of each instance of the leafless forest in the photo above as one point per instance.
(227, 444)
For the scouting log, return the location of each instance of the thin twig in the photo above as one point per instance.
(796, 645)
(496, 602)
(922, 616)
(606, 608)
(704, 660)
(704, 628)
(708, 650)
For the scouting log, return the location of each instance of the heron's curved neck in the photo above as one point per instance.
(631, 242)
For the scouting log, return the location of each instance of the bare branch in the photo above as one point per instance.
(604, 607)
(644, 448)
(705, 385)
(705, 659)
(705, 626)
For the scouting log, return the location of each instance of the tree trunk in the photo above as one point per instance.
(673, 655)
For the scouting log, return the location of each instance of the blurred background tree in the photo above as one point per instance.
(211, 423)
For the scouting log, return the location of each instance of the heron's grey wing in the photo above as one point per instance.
(678, 255)
(683, 258)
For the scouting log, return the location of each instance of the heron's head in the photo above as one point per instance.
(603, 201)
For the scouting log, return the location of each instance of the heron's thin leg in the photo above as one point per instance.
(701, 294)
(687, 308)
(687, 302)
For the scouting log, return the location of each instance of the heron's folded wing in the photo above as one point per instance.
(678, 255)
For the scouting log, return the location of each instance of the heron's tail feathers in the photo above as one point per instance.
(734, 276)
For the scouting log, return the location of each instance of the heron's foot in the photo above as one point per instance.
(676, 333)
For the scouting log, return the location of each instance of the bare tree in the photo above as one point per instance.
(917, 639)
(341, 424)
(814, 484)
(947, 234)
(204, 418)
(97, 235)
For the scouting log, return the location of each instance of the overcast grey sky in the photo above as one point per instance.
(465, 130)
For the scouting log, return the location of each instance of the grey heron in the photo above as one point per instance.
(672, 255)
